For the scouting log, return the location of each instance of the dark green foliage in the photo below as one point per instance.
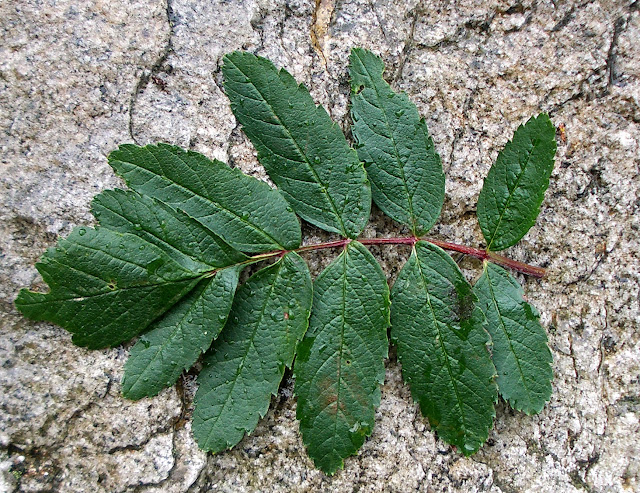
(304, 152)
(176, 341)
(520, 350)
(245, 212)
(105, 287)
(340, 363)
(514, 188)
(164, 263)
(393, 141)
(185, 240)
(269, 316)
(442, 345)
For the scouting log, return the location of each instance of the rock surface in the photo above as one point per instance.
(78, 78)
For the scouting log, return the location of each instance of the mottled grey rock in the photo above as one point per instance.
(78, 78)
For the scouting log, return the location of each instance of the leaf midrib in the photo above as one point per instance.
(113, 291)
(442, 348)
(323, 188)
(395, 147)
(504, 329)
(511, 193)
(343, 311)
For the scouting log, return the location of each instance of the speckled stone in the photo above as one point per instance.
(78, 78)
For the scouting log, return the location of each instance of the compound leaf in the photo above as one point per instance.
(520, 351)
(247, 213)
(166, 257)
(407, 181)
(244, 366)
(105, 287)
(176, 341)
(184, 239)
(442, 346)
(304, 152)
(510, 199)
(340, 363)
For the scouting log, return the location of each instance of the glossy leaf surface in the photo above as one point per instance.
(443, 347)
(406, 175)
(340, 363)
(304, 152)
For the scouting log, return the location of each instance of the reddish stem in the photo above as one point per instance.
(322, 246)
(389, 241)
(517, 266)
(473, 252)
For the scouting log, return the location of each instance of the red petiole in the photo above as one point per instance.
(473, 252)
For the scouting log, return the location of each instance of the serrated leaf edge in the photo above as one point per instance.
(171, 148)
(375, 393)
(543, 189)
(261, 414)
(512, 402)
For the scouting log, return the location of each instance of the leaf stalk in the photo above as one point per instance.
(484, 255)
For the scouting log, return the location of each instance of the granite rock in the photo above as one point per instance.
(79, 78)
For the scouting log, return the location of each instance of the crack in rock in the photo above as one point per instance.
(148, 74)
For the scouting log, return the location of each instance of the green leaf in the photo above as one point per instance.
(442, 346)
(520, 350)
(304, 152)
(105, 287)
(245, 364)
(340, 363)
(177, 340)
(510, 199)
(184, 239)
(247, 213)
(407, 181)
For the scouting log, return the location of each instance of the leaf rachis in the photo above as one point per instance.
(165, 261)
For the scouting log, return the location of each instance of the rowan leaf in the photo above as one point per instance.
(247, 213)
(520, 351)
(407, 182)
(176, 341)
(105, 287)
(303, 151)
(164, 264)
(245, 365)
(340, 362)
(442, 346)
(510, 199)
